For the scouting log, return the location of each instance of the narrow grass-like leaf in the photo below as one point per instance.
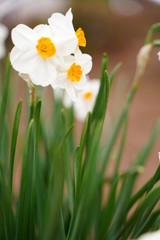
(7, 218)
(150, 221)
(13, 142)
(128, 183)
(107, 214)
(3, 104)
(79, 154)
(113, 73)
(98, 108)
(31, 233)
(122, 145)
(150, 200)
(146, 188)
(22, 216)
(118, 127)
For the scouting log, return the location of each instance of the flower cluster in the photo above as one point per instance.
(3, 36)
(49, 54)
(85, 99)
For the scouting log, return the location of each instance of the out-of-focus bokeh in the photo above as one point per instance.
(117, 27)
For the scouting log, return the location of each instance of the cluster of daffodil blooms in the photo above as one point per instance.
(3, 36)
(49, 54)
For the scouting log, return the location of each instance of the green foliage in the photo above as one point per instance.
(61, 189)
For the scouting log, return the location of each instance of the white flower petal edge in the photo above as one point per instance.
(24, 37)
(150, 236)
(63, 28)
(86, 99)
(65, 82)
(158, 55)
(3, 36)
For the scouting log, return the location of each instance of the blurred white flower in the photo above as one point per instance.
(150, 236)
(71, 74)
(36, 52)
(61, 95)
(3, 36)
(63, 27)
(86, 99)
(158, 55)
(159, 156)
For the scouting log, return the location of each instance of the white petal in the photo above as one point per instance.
(23, 61)
(65, 45)
(65, 37)
(69, 15)
(60, 81)
(85, 61)
(23, 37)
(81, 84)
(43, 30)
(61, 23)
(71, 92)
(44, 72)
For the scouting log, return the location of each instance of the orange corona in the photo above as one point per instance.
(81, 37)
(74, 72)
(45, 47)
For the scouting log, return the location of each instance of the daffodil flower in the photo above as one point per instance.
(36, 52)
(71, 74)
(86, 99)
(63, 27)
(150, 236)
(3, 36)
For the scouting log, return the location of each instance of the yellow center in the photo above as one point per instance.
(74, 72)
(87, 95)
(81, 37)
(45, 47)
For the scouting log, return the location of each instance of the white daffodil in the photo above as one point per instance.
(71, 74)
(3, 36)
(86, 99)
(63, 27)
(150, 236)
(36, 52)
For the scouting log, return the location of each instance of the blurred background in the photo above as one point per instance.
(117, 27)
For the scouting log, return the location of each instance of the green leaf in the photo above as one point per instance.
(145, 188)
(149, 201)
(31, 232)
(154, 28)
(7, 226)
(100, 105)
(108, 211)
(13, 142)
(3, 104)
(23, 206)
(113, 73)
